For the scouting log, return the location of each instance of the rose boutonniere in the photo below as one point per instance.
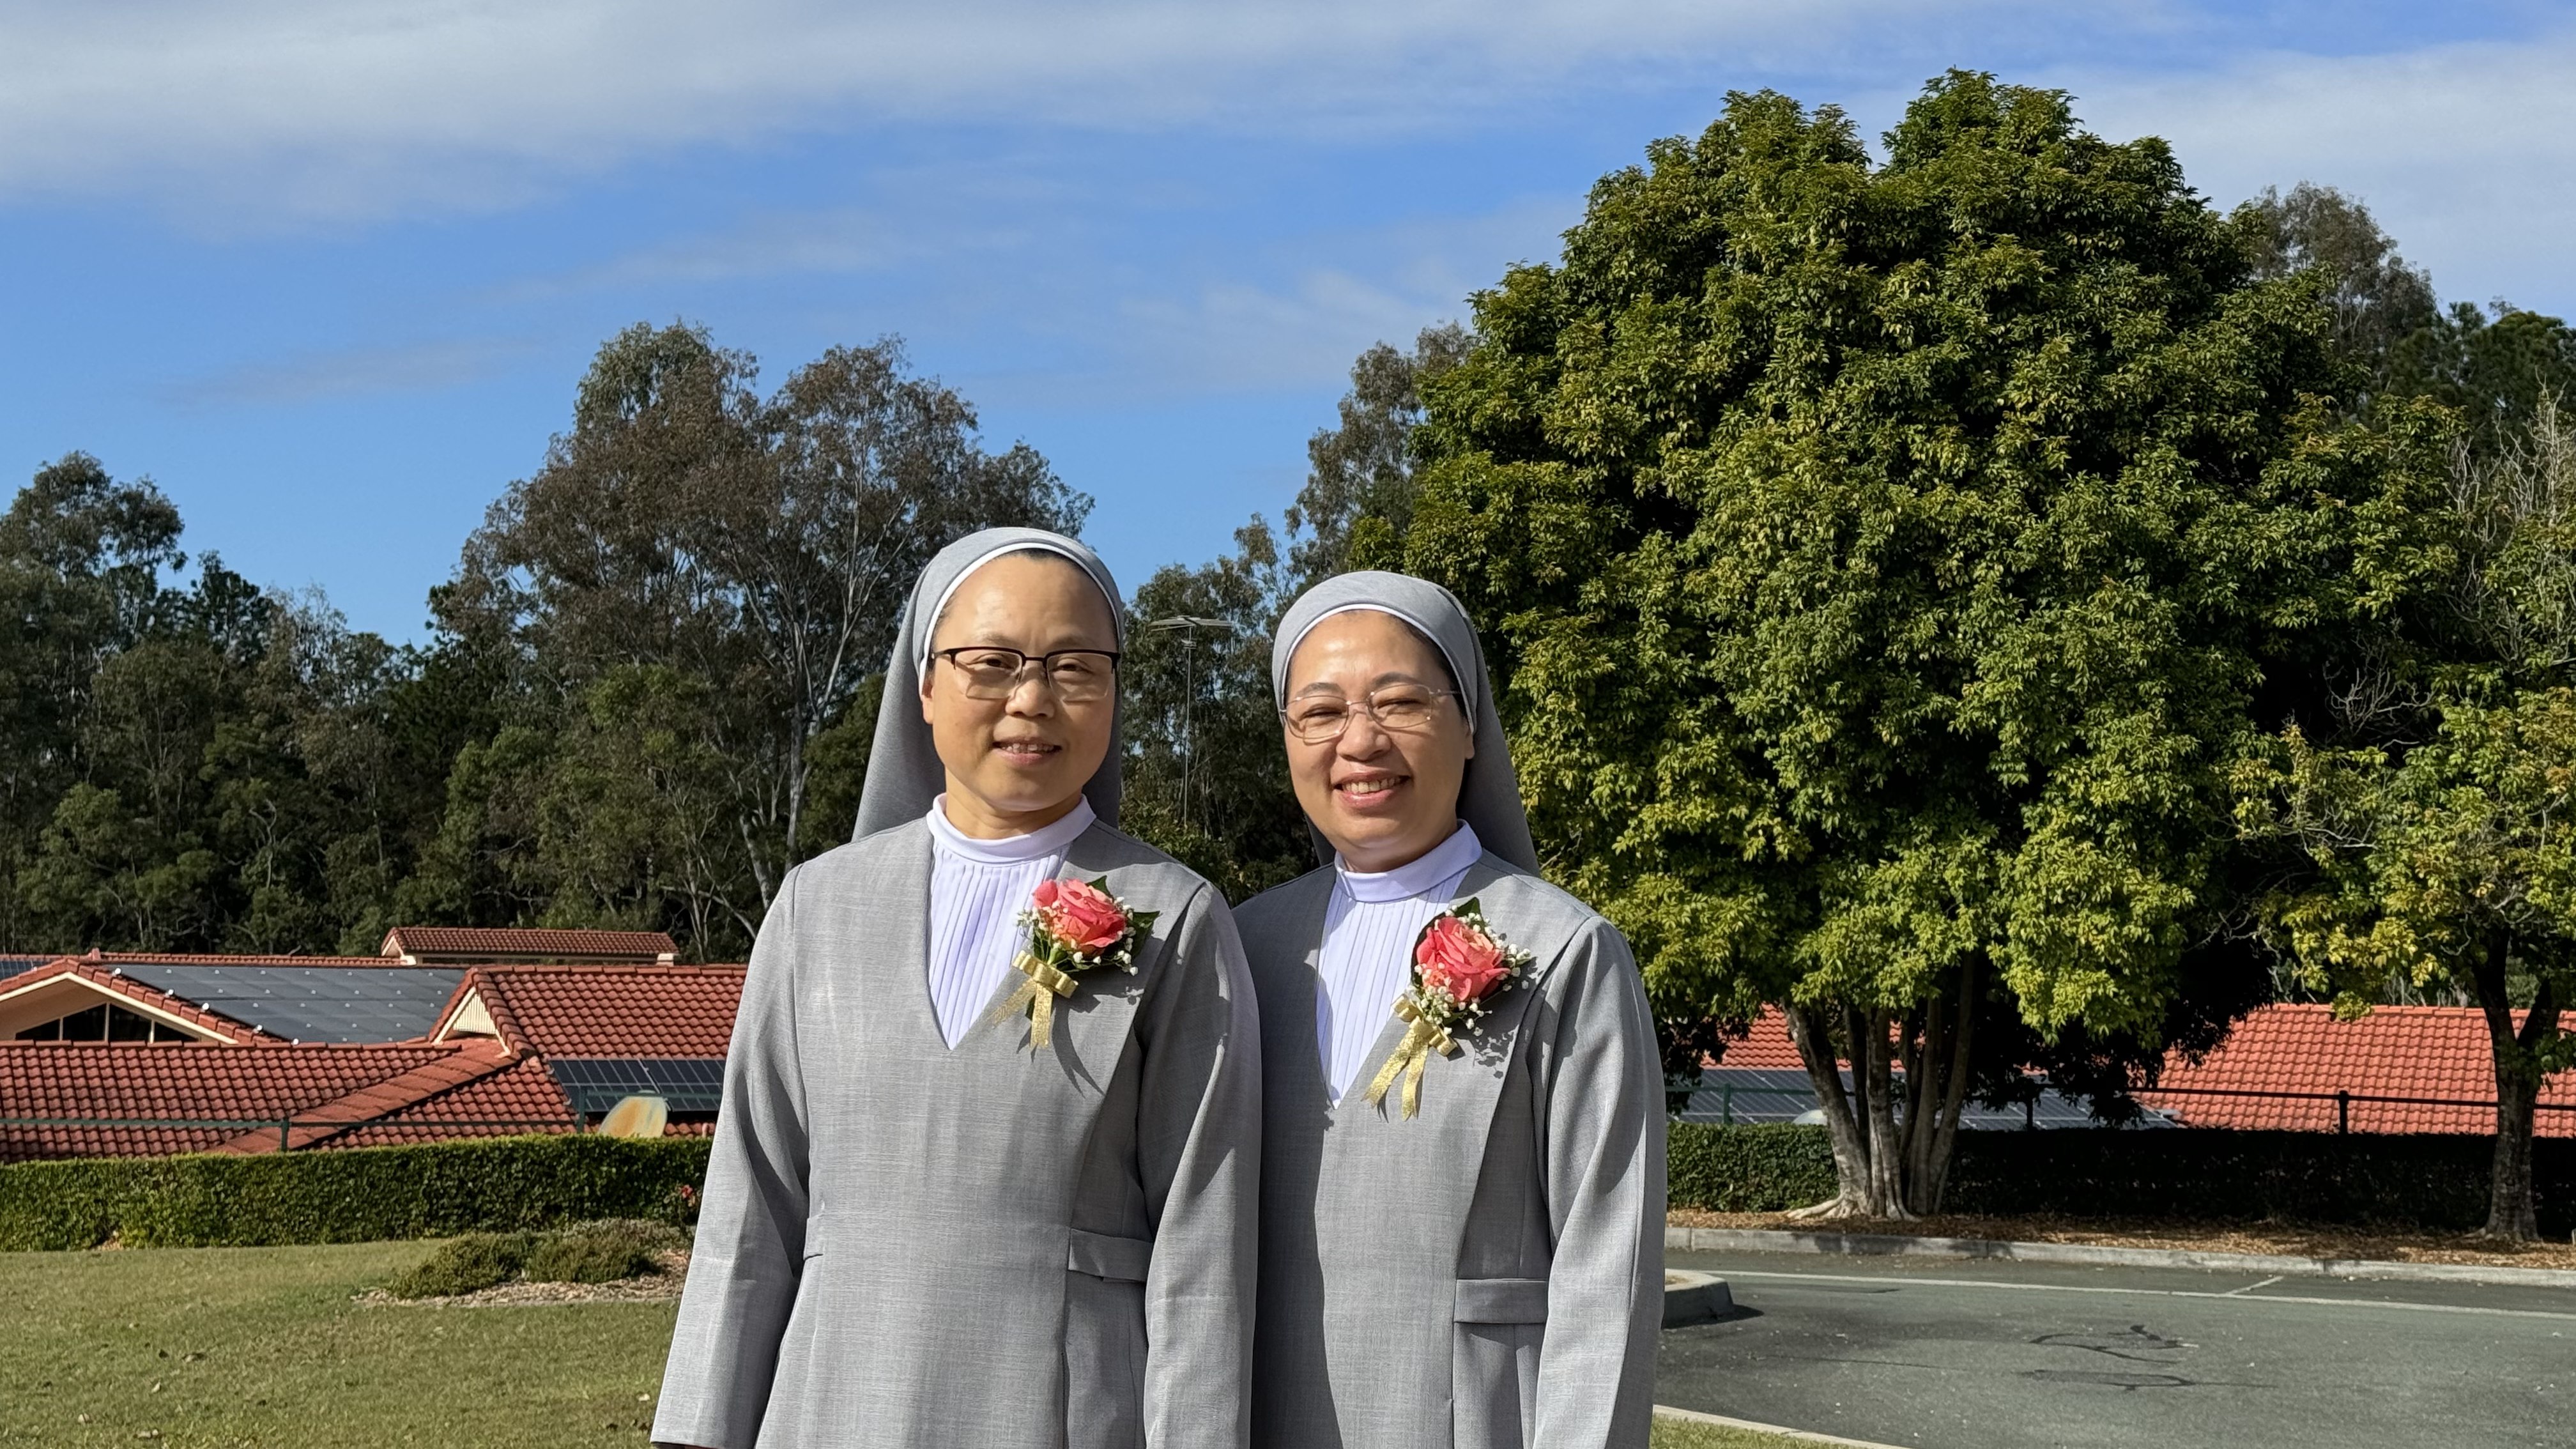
(1459, 965)
(1073, 927)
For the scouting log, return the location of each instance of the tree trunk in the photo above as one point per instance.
(1940, 1065)
(2510, 1212)
(1886, 1151)
(1809, 1028)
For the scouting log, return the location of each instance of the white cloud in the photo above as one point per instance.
(323, 107)
(411, 368)
(2465, 153)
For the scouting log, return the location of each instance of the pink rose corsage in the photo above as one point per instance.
(1459, 965)
(1073, 928)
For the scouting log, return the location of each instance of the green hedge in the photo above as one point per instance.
(503, 1184)
(2202, 1174)
(1749, 1169)
(522, 1184)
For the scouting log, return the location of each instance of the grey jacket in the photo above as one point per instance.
(904, 1245)
(1489, 1273)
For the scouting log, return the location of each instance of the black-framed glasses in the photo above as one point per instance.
(1398, 709)
(1078, 676)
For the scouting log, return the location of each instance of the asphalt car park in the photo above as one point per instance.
(1946, 1354)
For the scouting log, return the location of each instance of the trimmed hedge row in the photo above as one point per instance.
(521, 1184)
(505, 1184)
(2200, 1174)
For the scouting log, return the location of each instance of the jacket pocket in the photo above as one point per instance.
(1502, 1300)
(1120, 1260)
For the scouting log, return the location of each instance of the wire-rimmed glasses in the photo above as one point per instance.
(1077, 676)
(1398, 709)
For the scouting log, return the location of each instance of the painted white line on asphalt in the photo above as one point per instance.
(1804, 1436)
(2250, 1287)
(1896, 1282)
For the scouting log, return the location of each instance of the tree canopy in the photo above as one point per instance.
(1882, 561)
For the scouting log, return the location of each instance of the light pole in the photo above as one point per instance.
(1188, 627)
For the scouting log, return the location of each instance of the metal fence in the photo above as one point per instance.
(1747, 1098)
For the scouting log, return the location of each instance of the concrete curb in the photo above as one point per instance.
(1693, 1416)
(1872, 1245)
(1691, 1297)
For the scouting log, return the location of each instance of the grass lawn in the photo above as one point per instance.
(262, 1346)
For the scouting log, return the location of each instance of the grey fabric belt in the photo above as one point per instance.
(1102, 1256)
(1502, 1300)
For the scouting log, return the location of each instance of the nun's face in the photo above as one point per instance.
(1383, 796)
(1019, 761)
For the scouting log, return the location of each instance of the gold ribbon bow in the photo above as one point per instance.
(1422, 1038)
(1038, 995)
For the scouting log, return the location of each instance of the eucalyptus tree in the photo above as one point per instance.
(749, 553)
(1881, 560)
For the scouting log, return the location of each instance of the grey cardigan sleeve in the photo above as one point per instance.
(1198, 1149)
(750, 1247)
(1604, 1159)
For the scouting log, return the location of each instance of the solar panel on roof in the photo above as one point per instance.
(314, 1003)
(595, 1084)
(1742, 1094)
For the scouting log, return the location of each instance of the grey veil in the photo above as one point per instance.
(1489, 798)
(904, 773)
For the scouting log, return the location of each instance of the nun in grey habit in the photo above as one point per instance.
(918, 1231)
(1490, 1272)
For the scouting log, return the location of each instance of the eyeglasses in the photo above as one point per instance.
(1077, 676)
(1398, 709)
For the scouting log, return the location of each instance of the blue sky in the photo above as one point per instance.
(328, 272)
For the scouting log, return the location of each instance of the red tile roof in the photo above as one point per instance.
(475, 943)
(133, 1081)
(610, 1011)
(422, 1081)
(1767, 1049)
(522, 1092)
(222, 1028)
(2438, 1052)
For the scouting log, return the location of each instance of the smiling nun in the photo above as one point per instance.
(1463, 1161)
(986, 1172)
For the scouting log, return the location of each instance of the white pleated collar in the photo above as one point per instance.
(1038, 844)
(1418, 877)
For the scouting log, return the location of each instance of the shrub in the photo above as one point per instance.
(601, 1252)
(465, 1265)
(1749, 1169)
(2204, 1174)
(509, 1184)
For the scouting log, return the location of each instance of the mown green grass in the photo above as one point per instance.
(1675, 1434)
(264, 1347)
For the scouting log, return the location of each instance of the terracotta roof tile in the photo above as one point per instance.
(132, 1081)
(522, 1092)
(470, 1061)
(1767, 1049)
(611, 1011)
(2438, 1052)
(476, 943)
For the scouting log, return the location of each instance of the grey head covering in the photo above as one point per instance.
(1489, 798)
(904, 773)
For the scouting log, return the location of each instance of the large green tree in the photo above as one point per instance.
(728, 567)
(2437, 803)
(1881, 560)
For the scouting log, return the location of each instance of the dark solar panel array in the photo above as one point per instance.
(314, 1003)
(1746, 1094)
(595, 1084)
(14, 965)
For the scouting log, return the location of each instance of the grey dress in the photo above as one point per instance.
(1489, 1273)
(905, 1245)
